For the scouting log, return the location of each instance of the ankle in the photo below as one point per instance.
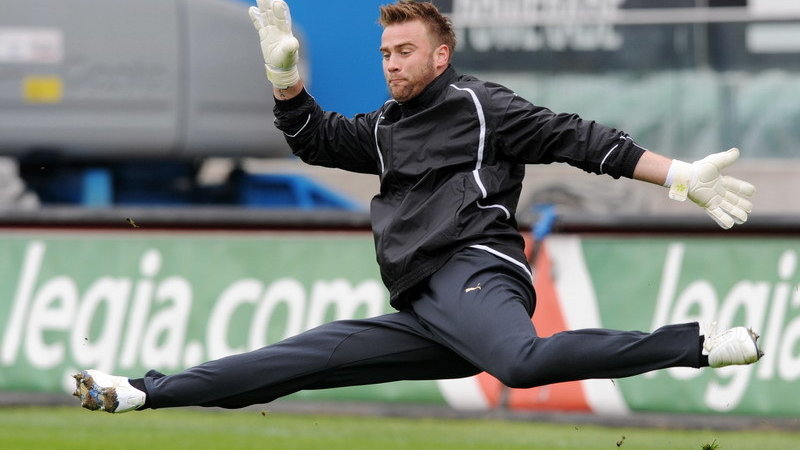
(139, 384)
(703, 357)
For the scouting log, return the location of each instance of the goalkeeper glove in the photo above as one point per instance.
(278, 45)
(724, 198)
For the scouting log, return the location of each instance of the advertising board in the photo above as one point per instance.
(128, 302)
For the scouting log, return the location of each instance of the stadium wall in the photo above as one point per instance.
(128, 299)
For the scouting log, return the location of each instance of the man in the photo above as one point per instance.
(450, 153)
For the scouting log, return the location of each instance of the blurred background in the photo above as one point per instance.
(164, 102)
(148, 123)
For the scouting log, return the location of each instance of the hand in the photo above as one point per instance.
(279, 46)
(725, 198)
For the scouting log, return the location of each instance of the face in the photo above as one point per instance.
(410, 59)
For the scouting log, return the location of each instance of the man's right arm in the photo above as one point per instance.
(289, 92)
(324, 138)
(273, 21)
(317, 137)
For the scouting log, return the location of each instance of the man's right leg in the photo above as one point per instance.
(344, 353)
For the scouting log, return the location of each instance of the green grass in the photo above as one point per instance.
(73, 428)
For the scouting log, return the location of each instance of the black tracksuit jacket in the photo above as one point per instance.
(451, 163)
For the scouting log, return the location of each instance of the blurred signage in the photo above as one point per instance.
(613, 35)
(31, 45)
(774, 37)
(42, 89)
(126, 302)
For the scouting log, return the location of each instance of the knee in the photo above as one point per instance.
(517, 377)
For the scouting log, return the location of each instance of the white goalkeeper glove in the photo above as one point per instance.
(279, 46)
(725, 198)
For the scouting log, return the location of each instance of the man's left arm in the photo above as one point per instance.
(534, 135)
(724, 198)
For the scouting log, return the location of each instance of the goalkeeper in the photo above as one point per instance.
(450, 151)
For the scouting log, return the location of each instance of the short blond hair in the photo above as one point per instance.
(406, 10)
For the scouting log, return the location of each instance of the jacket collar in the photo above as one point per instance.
(430, 93)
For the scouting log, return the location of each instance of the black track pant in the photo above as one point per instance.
(454, 329)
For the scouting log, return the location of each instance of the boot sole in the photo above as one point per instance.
(754, 336)
(92, 396)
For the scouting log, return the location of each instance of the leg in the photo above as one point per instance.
(491, 328)
(355, 352)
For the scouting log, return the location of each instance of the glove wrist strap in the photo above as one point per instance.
(283, 78)
(679, 179)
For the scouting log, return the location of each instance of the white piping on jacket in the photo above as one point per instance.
(481, 144)
(308, 119)
(606, 157)
(503, 256)
(378, 146)
(628, 138)
(482, 121)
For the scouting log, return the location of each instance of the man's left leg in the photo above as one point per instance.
(479, 306)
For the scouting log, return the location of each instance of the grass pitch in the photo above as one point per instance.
(74, 428)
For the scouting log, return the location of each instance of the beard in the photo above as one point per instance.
(413, 84)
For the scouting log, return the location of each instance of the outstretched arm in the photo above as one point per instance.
(273, 21)
(318, 137)
(726, 199)
(652, 168)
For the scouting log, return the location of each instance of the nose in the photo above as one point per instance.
(391, 64)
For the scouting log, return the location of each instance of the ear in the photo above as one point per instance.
(442, 55)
